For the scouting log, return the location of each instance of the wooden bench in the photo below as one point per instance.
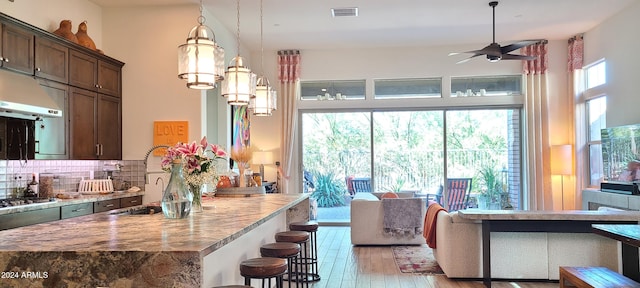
(593, 277)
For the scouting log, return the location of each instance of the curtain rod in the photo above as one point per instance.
(288, 52)
(578, 36)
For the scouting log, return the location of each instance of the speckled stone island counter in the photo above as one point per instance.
(105, 250)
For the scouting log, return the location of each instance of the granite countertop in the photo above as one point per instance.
(64, 202)
(576, 215)
(222, 221)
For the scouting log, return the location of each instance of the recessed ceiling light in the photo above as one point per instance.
(343, 12)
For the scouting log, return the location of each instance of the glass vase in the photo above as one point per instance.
(196, 191)
(176, 199)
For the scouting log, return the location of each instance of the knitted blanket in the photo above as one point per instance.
(402, 217)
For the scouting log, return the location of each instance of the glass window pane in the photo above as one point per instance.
(597, 109)
(486, 86)
(596, 174)
(407, 88)
(485, 145)
(408, 151)
(596, 75)
(337, 142)
(332, 90)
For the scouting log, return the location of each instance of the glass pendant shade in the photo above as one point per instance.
(239, 84)
(265, 101)
(201, 60)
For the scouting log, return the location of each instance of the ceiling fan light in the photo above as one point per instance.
(493, 58)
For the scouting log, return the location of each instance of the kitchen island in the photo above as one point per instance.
(107, 250)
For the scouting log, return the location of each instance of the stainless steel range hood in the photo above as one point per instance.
(22, 97)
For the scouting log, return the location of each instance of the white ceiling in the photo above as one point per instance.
(308, 24)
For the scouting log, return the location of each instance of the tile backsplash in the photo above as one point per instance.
(15, 174)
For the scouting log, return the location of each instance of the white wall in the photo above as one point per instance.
(378, 63)
(146, 39)
(617, 41)
(47, 15)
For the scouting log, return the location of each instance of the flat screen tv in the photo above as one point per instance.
(621, 153)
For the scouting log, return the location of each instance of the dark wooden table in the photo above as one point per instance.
(629, 236)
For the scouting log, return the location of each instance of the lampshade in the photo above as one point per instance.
(265, 101)
(561, 160)
(262, 157)
(239, 84)
(200, 59)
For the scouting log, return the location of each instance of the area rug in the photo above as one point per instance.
(416, 259)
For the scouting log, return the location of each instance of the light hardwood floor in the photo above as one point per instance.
(343, 265)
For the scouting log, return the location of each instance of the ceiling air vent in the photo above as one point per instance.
(342, 12)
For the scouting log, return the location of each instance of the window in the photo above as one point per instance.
(332, 90)
(408, 88)
(596, 112)
(596, 105)
(409, 151)
(486, 86)
(596, 75)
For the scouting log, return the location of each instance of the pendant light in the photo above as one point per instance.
(239, 84)
(265, 101)
(201, 60)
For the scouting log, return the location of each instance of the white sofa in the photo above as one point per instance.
(367, 221)
(517, 255)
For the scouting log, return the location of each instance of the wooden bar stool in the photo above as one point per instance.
(312, 228)
(301, 238)
(285, 250)
(263, 268)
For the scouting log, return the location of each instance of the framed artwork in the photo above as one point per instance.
(240, 124)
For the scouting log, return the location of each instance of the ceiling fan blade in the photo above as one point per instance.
(465, 60)
(515, 46)
(517, 57)
(480, 52)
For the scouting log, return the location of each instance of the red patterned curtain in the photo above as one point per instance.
(575, 61)
(288, 66)
(536, 108)
(575, 53)
(289, 78)
(538, 65)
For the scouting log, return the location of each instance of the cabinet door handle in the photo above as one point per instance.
(97, 149)
(38, 69)
(78, 210)
(6, 60)
(134, 201)
(101, 149)
(1, 58)
(109, 205)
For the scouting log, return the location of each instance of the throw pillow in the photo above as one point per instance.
(389, 195)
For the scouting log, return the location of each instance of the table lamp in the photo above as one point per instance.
(561, 163)
(262, 157)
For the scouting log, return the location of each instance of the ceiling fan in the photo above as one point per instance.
(494, 51)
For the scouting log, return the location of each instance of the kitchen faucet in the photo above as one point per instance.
(146, 157)
(160, 179)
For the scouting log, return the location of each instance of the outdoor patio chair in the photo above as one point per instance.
(361, 185)
(458, 190)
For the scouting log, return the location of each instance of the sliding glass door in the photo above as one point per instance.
(408, 151)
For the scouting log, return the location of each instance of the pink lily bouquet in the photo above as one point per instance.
(198, 161)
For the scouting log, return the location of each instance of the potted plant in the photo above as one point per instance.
(327, 191)
(491, 193)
